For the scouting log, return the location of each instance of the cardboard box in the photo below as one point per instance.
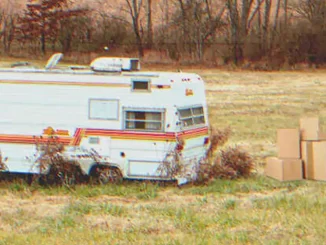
(288, 143)
(283, 169)
(308, 160)
(310, 129)
(321, 135)
(319, 158)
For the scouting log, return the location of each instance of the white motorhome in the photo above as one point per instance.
(136, 121)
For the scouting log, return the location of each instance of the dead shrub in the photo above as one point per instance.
(58, 169)
(230, 163)
(238, 160)
(172, 166)
(48, 152)
(218, 137)
(3, 166)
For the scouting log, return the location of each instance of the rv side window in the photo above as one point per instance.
(144, 120)
(191, 116)
(102, 109)
(141, 85)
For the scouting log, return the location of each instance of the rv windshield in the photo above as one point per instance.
(191, 116)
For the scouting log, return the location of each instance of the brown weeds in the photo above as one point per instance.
(57, 169)
(237, 159)
(229, 163)
(172, 166)
(3, 166)
(218, 137)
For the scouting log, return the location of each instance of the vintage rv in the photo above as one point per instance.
(140, 124)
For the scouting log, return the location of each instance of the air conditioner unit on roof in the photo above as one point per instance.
(112, 64)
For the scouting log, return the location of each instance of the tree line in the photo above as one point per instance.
(193, 31)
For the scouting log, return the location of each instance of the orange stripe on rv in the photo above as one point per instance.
(77, 137)
(80, 133)
(29, 139)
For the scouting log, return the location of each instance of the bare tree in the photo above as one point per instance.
(266, 25)
(285, 13)
(212, 24)
(241, 15)
(238, 25)
(313, 11)
(197, 21)
(110, 32)
(312, 15)
(276, 20)
(134, 9)
(149, 24)
(8, 22)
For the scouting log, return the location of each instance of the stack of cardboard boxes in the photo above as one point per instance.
(301, 153)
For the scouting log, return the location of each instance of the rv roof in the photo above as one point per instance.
(66, 73)
(86, 71)
(39, 75)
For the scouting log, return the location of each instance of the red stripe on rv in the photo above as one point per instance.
(80, 133)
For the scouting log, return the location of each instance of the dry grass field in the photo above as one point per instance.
(257, 210)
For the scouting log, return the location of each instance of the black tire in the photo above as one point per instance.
(59, 175)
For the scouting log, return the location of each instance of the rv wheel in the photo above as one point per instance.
(107, 175)
(66, 174)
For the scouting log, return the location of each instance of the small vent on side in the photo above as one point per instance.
(140, 85)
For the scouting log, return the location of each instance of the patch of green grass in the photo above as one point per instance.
(71, 235)
(147, 191)
(297, 203)
(189, 221)
(185, 219)
(254, 184)
(227, 220)
(61, 223)
(85, 208)
(230, 203)
(19, 187)
(140, 190)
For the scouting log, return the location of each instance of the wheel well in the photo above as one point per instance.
(93, 169)
(54, 174)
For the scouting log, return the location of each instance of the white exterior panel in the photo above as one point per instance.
(91, 105)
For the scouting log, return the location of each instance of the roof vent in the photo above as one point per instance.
(53, 61)
(112, 64)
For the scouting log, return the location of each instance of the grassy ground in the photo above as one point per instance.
(256, 211)
(246, 211)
